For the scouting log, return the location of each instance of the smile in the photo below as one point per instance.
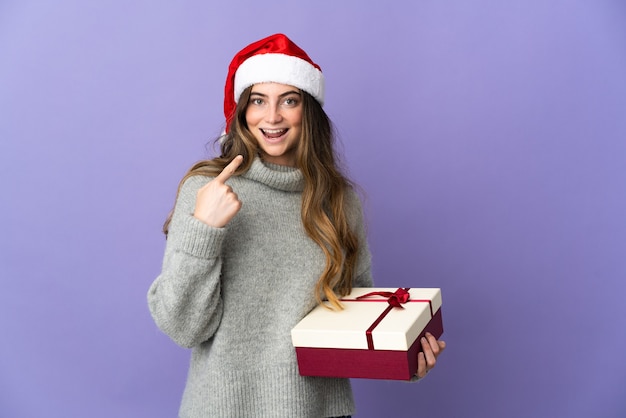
(273, 133)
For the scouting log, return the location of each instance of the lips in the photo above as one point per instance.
(273, 133)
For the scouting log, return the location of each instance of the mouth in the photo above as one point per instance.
(273, 133)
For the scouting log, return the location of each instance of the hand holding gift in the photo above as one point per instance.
(427, 358)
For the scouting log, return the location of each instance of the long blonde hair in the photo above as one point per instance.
(324, 197)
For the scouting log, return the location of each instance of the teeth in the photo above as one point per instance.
(273, 131)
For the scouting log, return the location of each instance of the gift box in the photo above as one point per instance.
(376, 336)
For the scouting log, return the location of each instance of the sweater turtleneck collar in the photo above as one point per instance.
(288, 179)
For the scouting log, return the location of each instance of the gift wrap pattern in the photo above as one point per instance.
(376, 336)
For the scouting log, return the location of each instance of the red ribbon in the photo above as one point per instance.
(395, 300)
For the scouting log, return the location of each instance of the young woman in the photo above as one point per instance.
(258, 237)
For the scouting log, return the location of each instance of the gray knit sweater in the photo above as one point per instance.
(234, 293)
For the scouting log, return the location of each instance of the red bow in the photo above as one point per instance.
(395, 299)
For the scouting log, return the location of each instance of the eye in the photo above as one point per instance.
(291, 101)
(256, 101)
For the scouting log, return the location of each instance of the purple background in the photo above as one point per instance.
(489, 137)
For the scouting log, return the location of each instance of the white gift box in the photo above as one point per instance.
(377, 334)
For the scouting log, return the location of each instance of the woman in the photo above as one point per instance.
(258, 237)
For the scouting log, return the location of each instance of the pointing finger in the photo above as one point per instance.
(230, 169)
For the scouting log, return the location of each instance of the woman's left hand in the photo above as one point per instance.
(426, 359)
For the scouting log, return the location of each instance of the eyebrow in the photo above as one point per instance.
(287, 93)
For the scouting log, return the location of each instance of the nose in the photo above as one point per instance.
(273, 114)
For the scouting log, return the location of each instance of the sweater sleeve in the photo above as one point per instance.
(184, 299)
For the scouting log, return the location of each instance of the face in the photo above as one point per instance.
(274, 116)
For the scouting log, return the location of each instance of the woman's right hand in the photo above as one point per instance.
(216, 203)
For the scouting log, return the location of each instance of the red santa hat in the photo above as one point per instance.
(275, 59)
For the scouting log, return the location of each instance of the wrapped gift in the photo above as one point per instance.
(376, 336)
